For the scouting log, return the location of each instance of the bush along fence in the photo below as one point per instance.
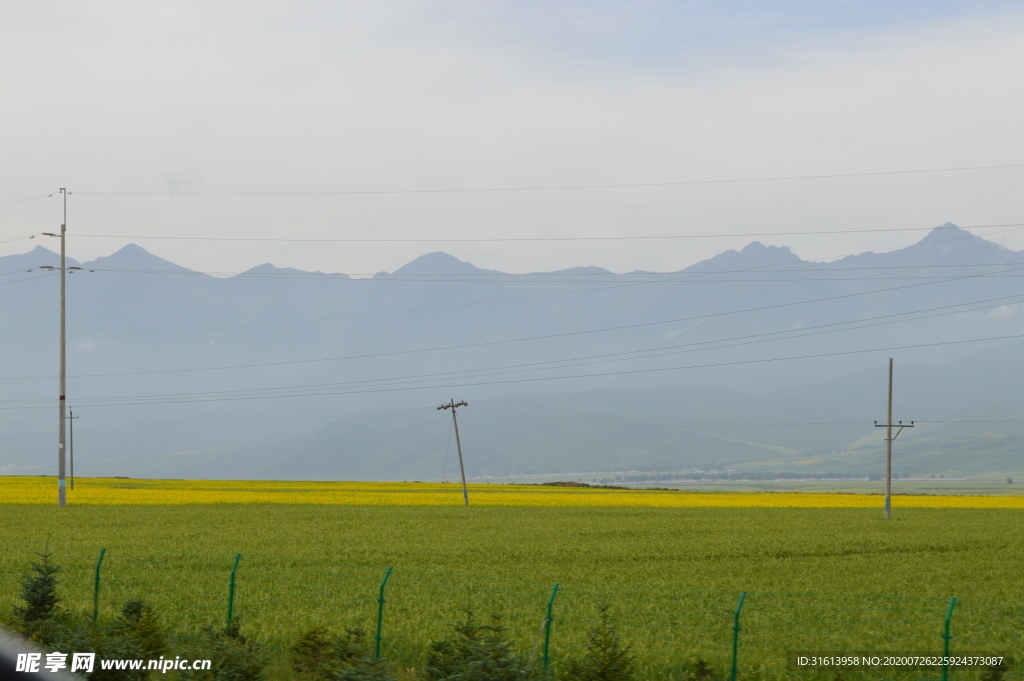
(399, 615)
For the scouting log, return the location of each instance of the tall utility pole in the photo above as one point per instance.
(453, 405)
(889, 437)
(61, 459)
(71, 438)
(61, 463)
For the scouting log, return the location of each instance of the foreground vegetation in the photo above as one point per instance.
(473, 652)
(689, 648)
(821, 571)
(670, 576)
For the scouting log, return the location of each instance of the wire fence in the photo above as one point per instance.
(674, 634)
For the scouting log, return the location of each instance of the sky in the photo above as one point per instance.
(257, 120)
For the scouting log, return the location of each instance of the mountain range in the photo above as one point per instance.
(750, 359)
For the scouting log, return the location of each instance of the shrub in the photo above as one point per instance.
(702, 672)
(312, 652)
(606, 659)
(42, 618)
(139, 625)
(233, 656)
(320, 655)
(136, 634)
(107, 643)
(994, 673)
(475, 653)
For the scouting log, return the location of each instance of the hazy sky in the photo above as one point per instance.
(180, 97)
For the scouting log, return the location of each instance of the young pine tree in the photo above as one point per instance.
(141, 626)
(320, 655)
(41, 618)
(475, 653)
(233, 656)
(606, 659)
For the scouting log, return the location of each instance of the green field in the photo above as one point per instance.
(972, 553)
(818, 579)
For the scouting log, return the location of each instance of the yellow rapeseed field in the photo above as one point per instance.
(118, 491)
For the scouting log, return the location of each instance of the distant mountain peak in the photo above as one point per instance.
(946, 244)
(944, 232)
(950, 232)
(586, 269)
(134, 257)
(270, 268)
(440, 262)
(37, 257)
(754, 254)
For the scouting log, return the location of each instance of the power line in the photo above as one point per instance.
(631, 185)
(664, 424)
(442, 307)
(135, 399)
(528, 279)
(477, 303)
(542, 239)
(31, 198)
(18, 238)
(41, 276)
(621, 356)
(578, 361)
(812, 268)
(503, 300)
(519, 340)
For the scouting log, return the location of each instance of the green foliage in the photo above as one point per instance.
(322, 656)
(700, 671)
(137, 633)
(476, 652)
(41, 618)
(139, 624)
(994, 673)
(312, 652)
(107, 643)
(233, 656)
(606, 659)
(689, 579)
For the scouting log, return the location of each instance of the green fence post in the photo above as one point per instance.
(947, 638)
(547, 627)
(96, 588)
(380, 614)
(736, 636)
(231, 589)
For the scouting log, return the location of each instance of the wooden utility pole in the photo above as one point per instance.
(889, 437)
(452, 404)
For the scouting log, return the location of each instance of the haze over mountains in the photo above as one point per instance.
(751, 359)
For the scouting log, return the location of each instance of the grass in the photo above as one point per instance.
(819, 578)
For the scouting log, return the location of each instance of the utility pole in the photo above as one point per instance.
(452, 404)
(61, 463)
(71, 438)
(61, 458)
(889, 437)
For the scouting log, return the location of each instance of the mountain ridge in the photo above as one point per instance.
(160, 364)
